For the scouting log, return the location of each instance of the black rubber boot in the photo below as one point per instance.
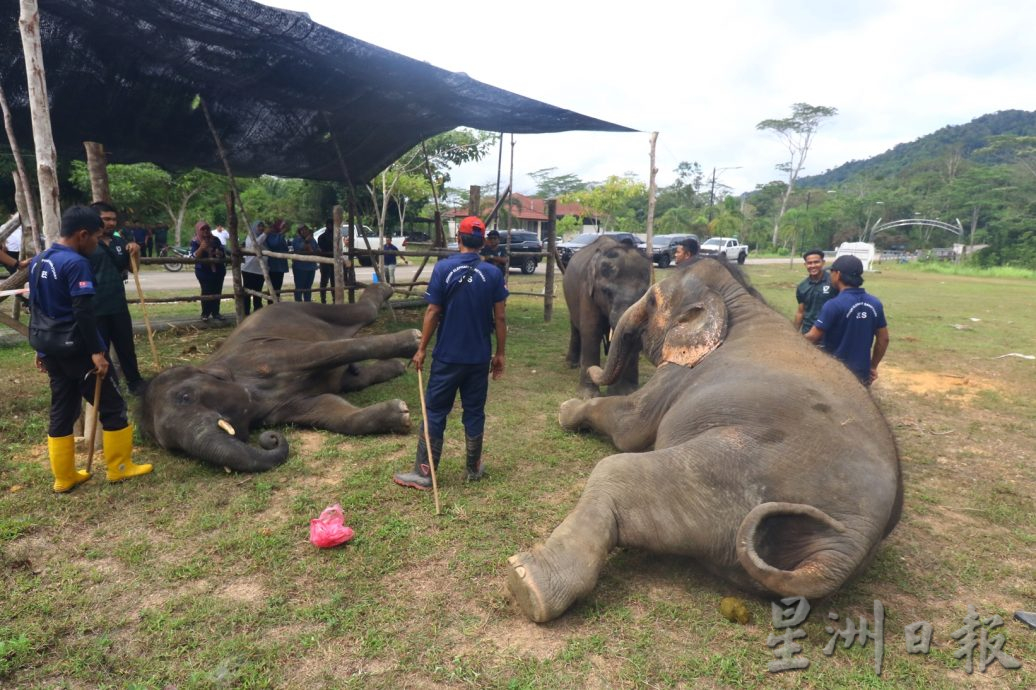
(473, 448)
(421, 476)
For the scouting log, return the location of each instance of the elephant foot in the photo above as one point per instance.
(522, 581)
(398, 415)
(570, 414)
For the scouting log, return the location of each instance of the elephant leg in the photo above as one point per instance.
(333, 413)
(328, 354)
(546, 580)
(618, 418)
(572, 357)
(357, 378)
(591, 333)
(656, 501)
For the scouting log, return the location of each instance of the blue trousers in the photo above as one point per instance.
(472, 380)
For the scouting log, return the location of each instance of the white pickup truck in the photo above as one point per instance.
(731, 247)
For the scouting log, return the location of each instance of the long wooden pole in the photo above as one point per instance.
(92, 432)
(43, 137)
(143, 308)
(428, 443)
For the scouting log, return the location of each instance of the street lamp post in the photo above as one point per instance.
(712, 187)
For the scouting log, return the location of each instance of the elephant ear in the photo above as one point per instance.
(699, 329)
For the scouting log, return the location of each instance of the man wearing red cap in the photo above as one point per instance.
(466, 302)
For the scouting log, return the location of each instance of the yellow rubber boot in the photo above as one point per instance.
(118, 447)
(62, 451)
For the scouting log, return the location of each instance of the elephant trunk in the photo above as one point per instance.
(625, 343)
(794, 549)
(224, 450)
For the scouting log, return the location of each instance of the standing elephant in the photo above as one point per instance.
(602, 280)
(749, 449)
(285, 364)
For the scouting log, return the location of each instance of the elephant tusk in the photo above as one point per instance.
(226, 426)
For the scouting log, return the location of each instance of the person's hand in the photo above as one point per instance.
(100, 363)
(133, 249)
(418, 359)
(874, 374)
(40, 366)
(497, 366)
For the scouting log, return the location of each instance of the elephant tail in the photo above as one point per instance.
(794, 549)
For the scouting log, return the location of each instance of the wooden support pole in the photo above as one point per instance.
(336, 230)
(23, 185)
(97, 167)
(651, 209)
(233, 188)
(552, 243)
(235, 257)
(43, 137)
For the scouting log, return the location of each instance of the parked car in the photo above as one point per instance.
(730, 247)
(663, 247)
(567, 249)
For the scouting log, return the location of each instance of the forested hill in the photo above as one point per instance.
(967, 139)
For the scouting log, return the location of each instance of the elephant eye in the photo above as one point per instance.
(183, 398)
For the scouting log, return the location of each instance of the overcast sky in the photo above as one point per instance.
(703, 75)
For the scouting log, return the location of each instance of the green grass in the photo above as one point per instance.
(195, 578)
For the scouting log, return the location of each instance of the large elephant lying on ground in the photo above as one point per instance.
(285, 364)
(602, 280)
(749, 449)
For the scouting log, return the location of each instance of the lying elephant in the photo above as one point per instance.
(285, 364)
(749, 449)
(602, 280)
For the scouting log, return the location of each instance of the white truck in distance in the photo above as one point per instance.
(729, 246)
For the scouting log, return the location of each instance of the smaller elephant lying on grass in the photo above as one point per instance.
(288, 363)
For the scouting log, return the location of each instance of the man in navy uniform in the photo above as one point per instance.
(62, 287)
(852, 325)
(466, 303)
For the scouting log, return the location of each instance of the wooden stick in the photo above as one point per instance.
(428, 443)
(98, 379)
(143, 306)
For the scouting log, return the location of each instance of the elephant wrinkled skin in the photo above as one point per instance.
(749, 450)
(602, 280)
(285, 364)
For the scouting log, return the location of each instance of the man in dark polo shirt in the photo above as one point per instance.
(852, 325)
(466, 303)
(814, 291)
(62, 288)
(494, 252)
(110, 263)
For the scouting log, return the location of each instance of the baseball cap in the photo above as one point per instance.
(848, 264)
(493, 233)
(472, 225)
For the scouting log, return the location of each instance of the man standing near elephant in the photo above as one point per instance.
(851, 323)
(814, 291)
(685, 251)
(466, 302)
(63, 292)
(110, 263)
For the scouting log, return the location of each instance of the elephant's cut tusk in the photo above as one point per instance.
(226, 426)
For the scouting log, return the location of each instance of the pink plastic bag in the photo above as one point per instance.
(328, 530)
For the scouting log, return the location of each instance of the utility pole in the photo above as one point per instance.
(712, 187)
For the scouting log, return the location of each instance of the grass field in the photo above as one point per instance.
(195, 578)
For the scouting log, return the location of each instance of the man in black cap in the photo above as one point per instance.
(852, 325)
(493, 252)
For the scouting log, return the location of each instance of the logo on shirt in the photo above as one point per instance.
(826, 289)
(84, 283)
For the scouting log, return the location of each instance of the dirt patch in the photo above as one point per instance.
(962, 386)
(245, 591)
